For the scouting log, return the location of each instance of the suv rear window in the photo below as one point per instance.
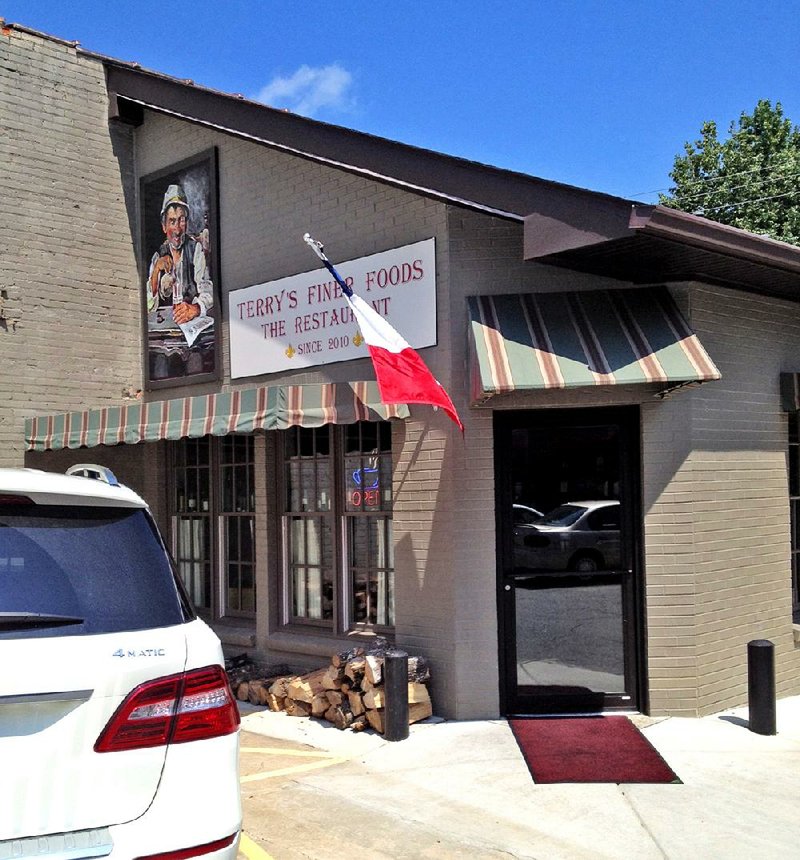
(85, 570)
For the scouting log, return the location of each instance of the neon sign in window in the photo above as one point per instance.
(363, 492)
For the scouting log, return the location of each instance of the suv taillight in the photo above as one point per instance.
(191, 706)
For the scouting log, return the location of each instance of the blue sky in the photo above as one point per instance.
(596, 94)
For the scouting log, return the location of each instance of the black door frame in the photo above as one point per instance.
(628, 419)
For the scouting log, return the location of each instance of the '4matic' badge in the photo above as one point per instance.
(140, 652)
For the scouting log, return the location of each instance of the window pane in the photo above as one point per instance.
(307, 490)
(306, 435)
(248, 588)
(359, 597)
(227, 488)
(293, 486)
(323, 441)
(369, 436)
(352, 438)
(324, 484)
(386, 482)
(369, 556)
(385, 436)
(246, 548)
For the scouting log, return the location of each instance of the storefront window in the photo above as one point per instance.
(237, 523)
(191, 505)
(337, 525)
(213, 522)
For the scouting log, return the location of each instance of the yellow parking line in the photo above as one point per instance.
(285, 771)
(279, 751)
(251, 850)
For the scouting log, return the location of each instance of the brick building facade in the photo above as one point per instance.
(704, 475)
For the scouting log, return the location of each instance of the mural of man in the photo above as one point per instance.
(180, 296)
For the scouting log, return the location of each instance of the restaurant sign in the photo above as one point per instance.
(304, 320)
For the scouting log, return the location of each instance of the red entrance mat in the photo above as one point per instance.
(588, 749)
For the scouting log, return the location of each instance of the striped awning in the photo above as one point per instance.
(275, 407)
(572, 339)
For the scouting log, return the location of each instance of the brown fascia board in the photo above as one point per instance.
(569, 228)
(698, 232)
(504, 193)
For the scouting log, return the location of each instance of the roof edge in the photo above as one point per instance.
(687, 229)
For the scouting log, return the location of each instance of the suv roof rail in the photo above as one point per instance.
(97, 473)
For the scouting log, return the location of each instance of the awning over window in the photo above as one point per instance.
(275, 407)
(572, 339)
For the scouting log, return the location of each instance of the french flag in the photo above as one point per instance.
(402, 375)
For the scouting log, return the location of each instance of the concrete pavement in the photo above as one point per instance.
(462, 790)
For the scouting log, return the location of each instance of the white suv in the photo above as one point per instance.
(119, 735)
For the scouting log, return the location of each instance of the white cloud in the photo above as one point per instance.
(310, 89)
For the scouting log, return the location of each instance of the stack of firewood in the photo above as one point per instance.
(348, 693)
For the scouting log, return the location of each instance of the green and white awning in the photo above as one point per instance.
(572, 339)
(275, 407)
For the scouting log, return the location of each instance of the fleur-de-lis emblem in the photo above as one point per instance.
(290, 351)
(357, 339)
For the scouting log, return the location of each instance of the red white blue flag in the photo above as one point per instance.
(402, 375)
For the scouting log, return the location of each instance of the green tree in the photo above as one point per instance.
(750, 180)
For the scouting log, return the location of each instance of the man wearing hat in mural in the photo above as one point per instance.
(180, 296)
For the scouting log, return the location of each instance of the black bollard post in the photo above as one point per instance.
(395, 682)
(761, 686)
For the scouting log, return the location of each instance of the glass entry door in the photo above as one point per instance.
(569, 593)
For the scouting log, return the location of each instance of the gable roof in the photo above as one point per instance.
(564, 225)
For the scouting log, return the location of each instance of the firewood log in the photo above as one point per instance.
(376, 698)
(373, 669)
(332, 679)
(419, 711)
(243, 691)
(343, 657)
(342, 716)
(418, 669)
(255, 689)
(305, 687)
(319, 704)
(295, 708)
(375, 719)
(279, 685)
(275, 703)
(355, 669)
(416, 712)
(356, 703)
(334, 697)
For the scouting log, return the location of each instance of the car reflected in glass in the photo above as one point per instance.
(581, 537)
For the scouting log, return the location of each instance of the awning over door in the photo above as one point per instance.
(275, 407)
(572, 339)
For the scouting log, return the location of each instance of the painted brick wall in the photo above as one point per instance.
(485, 257)
(69, 308)
(717, 526)
(714, 491)
(268, 200)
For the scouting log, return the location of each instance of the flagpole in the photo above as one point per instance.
(401, 374)
(319, 249)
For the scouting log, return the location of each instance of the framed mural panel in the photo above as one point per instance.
(180, 270)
